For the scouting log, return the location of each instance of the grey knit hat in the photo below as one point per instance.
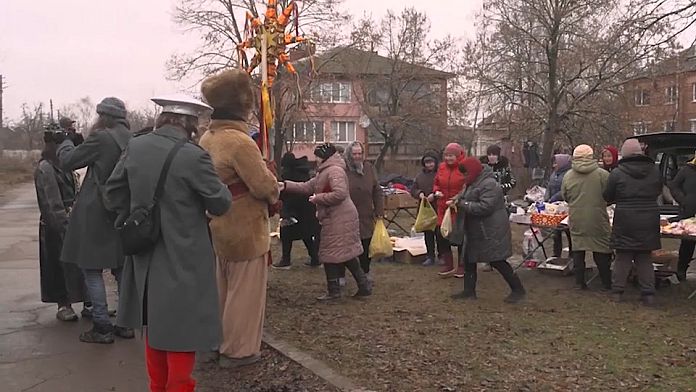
(113, 107)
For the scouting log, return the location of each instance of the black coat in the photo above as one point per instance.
(635, 186)
(683, 188)
(486, 221)
(297, 205)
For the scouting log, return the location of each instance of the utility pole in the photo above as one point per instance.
(1, 112)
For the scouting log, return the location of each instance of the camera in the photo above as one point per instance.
(54, 133)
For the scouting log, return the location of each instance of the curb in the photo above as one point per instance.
(320, 369)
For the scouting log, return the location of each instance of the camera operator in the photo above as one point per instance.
(91, 240)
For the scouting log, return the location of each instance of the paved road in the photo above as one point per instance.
(37, 352)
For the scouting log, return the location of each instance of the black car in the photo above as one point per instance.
(670, 151)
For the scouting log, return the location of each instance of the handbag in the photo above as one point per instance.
(141, 230)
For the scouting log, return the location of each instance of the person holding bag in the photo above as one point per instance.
(169, 289)
(339, 245)
(423, 190)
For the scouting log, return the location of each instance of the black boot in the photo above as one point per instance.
(518, 292)
(333, 291)
(102, 334)
(579, 270)
(469, 287)
(364, 287)
(603, 262)
(283, 264)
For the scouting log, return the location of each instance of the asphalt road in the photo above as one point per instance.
(38, 352)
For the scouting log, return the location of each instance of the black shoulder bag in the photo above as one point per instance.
(141, 230)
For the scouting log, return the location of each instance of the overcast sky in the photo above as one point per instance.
(69, 49)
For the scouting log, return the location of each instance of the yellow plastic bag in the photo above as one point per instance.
(447, 224)
(380, 245)
(426, 219)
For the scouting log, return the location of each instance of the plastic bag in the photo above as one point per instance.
(380, 245)
(529, 243)
(447, 224)
(426, 219)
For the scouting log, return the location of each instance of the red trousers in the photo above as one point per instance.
(170, 371)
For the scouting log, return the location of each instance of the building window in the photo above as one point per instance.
(642, 98)
(308, 131)
(692, 125)
(693, 92)
(343, 131)
(671, 95)
(336, 92)
(668, 126)
(640, 128)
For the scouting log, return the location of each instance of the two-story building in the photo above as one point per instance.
(346, 89)
(663, 99)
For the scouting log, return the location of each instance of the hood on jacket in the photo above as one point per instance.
(333, 160)
(637, 166)
(614, 154)
(431, 155)
(502, 163)
(584, 165)
(563, 161)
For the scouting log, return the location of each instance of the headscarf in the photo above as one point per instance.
(562, 160)
(471, 168)
(348, 156)
(614, 154)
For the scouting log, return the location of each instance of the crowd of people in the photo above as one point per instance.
(200, 286)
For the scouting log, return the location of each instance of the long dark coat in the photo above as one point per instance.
(55, 192)
(340, 230)
(486, 221)
(91, 241)
(683, 188)
(367, 196)
(635, 186)
(297, 205)
(176, 279)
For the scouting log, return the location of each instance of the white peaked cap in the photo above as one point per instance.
(182, 104)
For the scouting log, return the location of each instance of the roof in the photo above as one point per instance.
(684, 61)
(345, 60)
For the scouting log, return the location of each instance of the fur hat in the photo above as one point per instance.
(113, 107)
(230, 94)
(325, 151)
(631, 147)
(583, 151)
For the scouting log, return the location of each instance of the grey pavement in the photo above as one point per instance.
(38, 352)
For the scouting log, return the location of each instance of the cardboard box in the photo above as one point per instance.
(399, 200)
(406, 257)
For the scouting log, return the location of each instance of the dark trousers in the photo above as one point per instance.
(603, 261)
(309, 243)
(624, 264)
(502, 266)
(334, 271)
(558, 242)
(686, 254)
(444, 246)
(365, 256)
(430, 243)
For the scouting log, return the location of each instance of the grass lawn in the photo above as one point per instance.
(14, 172)
(410, 336)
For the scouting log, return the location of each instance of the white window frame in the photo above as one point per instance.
(669, 126)
(693, 92)
(317, 128)
(639, 97)
(349, 127)
(692, 125)
(332, 92)
(671, 95)
(640, 128)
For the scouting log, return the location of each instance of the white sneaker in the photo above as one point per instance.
(342, 282)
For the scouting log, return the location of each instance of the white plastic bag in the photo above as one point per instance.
(529, 243)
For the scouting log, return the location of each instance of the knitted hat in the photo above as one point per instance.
(493, 150)
(583, 151)
(455, 149)
(113, 107)
(325, 151)
(631, 147)
(471, 168)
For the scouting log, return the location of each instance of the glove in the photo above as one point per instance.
(76, 138)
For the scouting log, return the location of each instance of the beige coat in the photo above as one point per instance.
(340, 231)
(243, 232)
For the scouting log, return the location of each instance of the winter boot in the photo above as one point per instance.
(101, 334)
(364, 286)
(518, 292)
(448, 268)
(283, 264)
(469, 287)
(648, 300)
(459, 272)
(333, 291)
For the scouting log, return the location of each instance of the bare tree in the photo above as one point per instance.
(405, 99)
(83, 112)
(31, 125)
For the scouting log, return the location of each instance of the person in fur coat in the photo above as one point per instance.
(241, 236)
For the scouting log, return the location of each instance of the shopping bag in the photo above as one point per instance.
(426, 219)
(380, 245)
(447, 224)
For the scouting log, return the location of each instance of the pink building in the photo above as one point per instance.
(336, 102)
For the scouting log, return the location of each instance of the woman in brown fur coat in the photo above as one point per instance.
(241, 236)
(339, 239)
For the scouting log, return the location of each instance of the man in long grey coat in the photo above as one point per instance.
(91, 241)
(171, 288)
